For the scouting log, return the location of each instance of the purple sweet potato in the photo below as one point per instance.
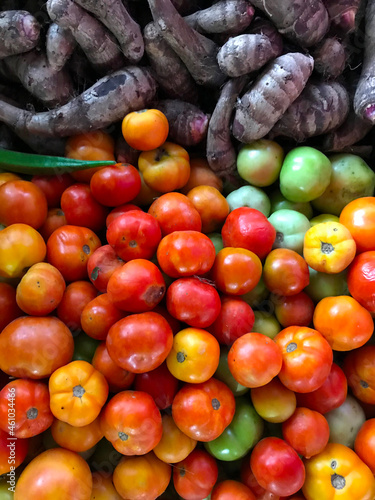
(19, 32)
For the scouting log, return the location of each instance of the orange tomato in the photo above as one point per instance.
(364, 444)
(359, 368)
(55, 219)
(274, 402)
(211, 205)
(329, 247)
(78, 392)
(76, 438)
(174, 445)
(145, 129)
(103, 488)
(118, 379)
(201, 174)
(359, 217)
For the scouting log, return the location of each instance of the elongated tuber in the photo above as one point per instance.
(187, 123)
(19, 32)
(270, 95)
(320, 108)
(106, 102)
(349, 133)
(225, 16)
(196, 51)
(114, 15)
(96, 41)
(342, 13)
(330, 57)
(303, 21)
(220, 151)
(60, 45)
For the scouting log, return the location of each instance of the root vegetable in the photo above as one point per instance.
(329, 57)
(60, 45)
(224, 16)
(99, 45)
(187, 123)
(342, 13)
(170, 72)
(320, 108)
(349, 133)
(245, 53)
(106, 102)
(114, 15)
(196, 51)
(303, 21)
(270, 96)
(220, 151)
(19, 32)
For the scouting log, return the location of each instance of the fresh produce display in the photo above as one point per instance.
(187, 250)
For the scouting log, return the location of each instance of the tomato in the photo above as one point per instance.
(277, 466)
(76, 438)
(29, 400)
(9, 309)
(359, 368)
(84, 347)
(338, 473)
(98, 316)
(174, 445)
(76, 296)
(236, 318)
(248, 228)
(345, 421)
(141, 478)
(69, 248)
(247, 477)
(211, 205)
(364, 443)
(361, 279)
(285, 272)
(236, 271)
(22, 202)
(194, 356)
(134, 235)
(55, 473)
(303, 346)
(274, 402)
(195, 476)
(138, 286)
(121, 209)
(146, 195)
(145, 129)
(132, 422)
(254, 359)
(78, 392)
(21, 246)
(202, 411)
(13, 452)
(175, 212)
(55, 218)
(326, 285)
(230, 489)
(165, 168)
(118, 379)
(359, 217)
(224, 374)
(185, 253)
(202, 175)
(249, 196)
(40, 290)
(8, 176)
(344, 323)
(34, 347)
(103, 488)
(53, 187)
(266, 323)
(140, 342)
(259, 162)
(159, 383)
(101, 265)
(115, 185)
(294, 310)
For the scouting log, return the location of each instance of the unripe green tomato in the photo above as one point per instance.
(326, 285)
(217, 240)
(291, 227)
(257, 295)
(323, 218)
(266, 323)
(305, 174)
(351, 178)
(345, 421)
(279, 202)
(224, 374)
(249, 196)
(259, 162)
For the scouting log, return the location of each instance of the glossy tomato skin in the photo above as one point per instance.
(69, 248)
(359, 217)
(361, 279)
(248, 228)
(53, 187)
(285, 272)
(98, 316)
(277, 466)
(9, 309)
(101, 265)
(146, 129)
(364, 444)
(117, 378)
(212, 206)
(76, 296)
(230, 489)
(297, 309)
(115, 185)
(159, 383)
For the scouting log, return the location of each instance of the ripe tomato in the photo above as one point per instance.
(55, 218)
(76, 296)
(285, 272)
(98, 316)
(303, 346)
(118, 379)
(211, 205)
(277, 466)
(229, 489)
(8, 176)
(145, 129)
(53, 187)
(361, 279)
(13, 452)
(174, 445)
(359, 368)
(101, 265)
(202, 411)
(74, 438)
(359, 217)
(102, 487)
(34, 347)
(294, 310)
(364, 444)
(159, 383)
(131, 421)
(9, 309)
(254, 359)
(194, 356)
(115, 185)
(274, 402)
(202, 175)
(121, 209)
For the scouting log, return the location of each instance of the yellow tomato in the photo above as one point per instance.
(8, 176)
(323, 218)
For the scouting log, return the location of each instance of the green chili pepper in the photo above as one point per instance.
(33, 164)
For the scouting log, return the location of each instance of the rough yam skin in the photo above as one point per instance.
(60, 45)
(342, 13)
(329, 57)
(270, 96)
(352, 130)
(19, 32)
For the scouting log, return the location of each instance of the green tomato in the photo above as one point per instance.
(257, 295)
(259, 162)
(305, 174)
(245, 430)
(279, 202)
(345, 421)
(249, 196)
(351, 178)
(266, 323)
(323, 218)
(291, 227)
(326, 285)
(217, 240)
(224, 374)
(84, 347)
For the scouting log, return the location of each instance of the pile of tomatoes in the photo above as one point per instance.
(162, 338)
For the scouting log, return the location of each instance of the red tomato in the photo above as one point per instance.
(76, 296)
(53, 187)
(285, 272)
(364, 444)
(137, 286)
(69, 248)
(248, 228)
(115, 185)
(134, 235)
(101, 265)
(185, 253)
(131, 421)
(277, 466)
(229, 489)
(98, 316)
(202, 411)
(303, 346)
(55, 219)
(359, 368)
(13, 452)
(294, 310)
(159, 383)
(9, 309)
(359, 217)
(140, 342)
(120, 210)
(361, 279)
(195, 476)
(248, 478)
(118, 379)
(254, 359)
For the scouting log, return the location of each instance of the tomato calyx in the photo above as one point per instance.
(78, 391)
(338, 482)
(326, 248)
